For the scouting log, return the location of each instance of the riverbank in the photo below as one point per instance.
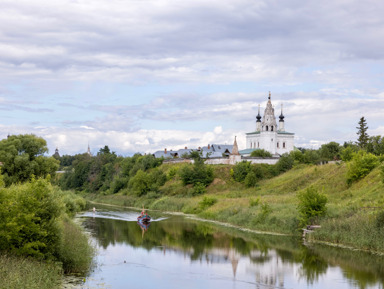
(353, 212)
(39, 241)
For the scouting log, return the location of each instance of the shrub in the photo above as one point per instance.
(254, 202)
(251, 179)
(361, 165)
(207, 202)
(312, 205)
(241, 170)
(285, 163)
(199, 189)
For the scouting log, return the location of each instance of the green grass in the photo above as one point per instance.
(351, 210)
(21, 273)
(75, 252)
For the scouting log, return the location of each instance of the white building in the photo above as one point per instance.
(268, 135)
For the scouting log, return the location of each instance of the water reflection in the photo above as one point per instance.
(198, 254)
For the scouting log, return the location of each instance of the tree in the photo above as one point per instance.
(23, 156)
(330, 151)
(261, 153)
(362, 140)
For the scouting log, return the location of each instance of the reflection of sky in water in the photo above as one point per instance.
(122, 266)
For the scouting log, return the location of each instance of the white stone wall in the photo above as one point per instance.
(289, 144)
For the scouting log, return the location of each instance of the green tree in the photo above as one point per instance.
(362, 140)
(375, 145)
(330, 151)
(198, 172)
(23, 156)
(261, 153)
(312, 205)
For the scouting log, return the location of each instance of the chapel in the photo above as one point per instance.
(268, 135)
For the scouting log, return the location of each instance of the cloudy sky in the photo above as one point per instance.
(143, 75)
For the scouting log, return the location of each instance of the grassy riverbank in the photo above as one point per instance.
(38, 239)
(352, 217)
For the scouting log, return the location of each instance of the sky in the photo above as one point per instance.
(144, 75)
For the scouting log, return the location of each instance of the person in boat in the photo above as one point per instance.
(143, 212)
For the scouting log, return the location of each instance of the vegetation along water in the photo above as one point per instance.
(344, 197)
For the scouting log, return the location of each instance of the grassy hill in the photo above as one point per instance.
(353, 212)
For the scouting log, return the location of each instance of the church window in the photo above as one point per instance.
(283, 145)
(272, 128)
(258, 144)
(277, 145)
(266, 128)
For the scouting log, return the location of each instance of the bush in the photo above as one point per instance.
(207, 202)
(361, 165)
(312, 205)
(241, 170)
(250, 180)
(285, 163)
(199, 189)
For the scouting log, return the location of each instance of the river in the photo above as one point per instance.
(180, 252)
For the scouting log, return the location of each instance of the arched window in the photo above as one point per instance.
(258, 144)
(271, 128)
(283, 145)
(266, 128)
(277, 145)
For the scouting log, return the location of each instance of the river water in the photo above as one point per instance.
(179, 252)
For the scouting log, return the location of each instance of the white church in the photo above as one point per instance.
(268, 135)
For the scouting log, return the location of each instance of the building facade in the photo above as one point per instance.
(268, 135)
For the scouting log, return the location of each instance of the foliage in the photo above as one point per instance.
(241, 170)
(312, 205)
(207, 202)
(330, 151)
(251, 179)
(199, 189)
(198, 172)
(285, 163)
(23, 157)
(347, 153)
(29, 215)
(362, 164)
(380, 220)
(74, 250)
(261, 153)
(143, 182)
(363, 137)
(31, 221)
(375, 145)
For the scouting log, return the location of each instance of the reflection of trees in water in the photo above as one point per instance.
(362, 268)
(312, 266)
(272, 256)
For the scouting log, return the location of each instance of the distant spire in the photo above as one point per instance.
(269, 97)
(89, 150)
(235, 149)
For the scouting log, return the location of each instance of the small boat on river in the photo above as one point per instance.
(144, 218)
